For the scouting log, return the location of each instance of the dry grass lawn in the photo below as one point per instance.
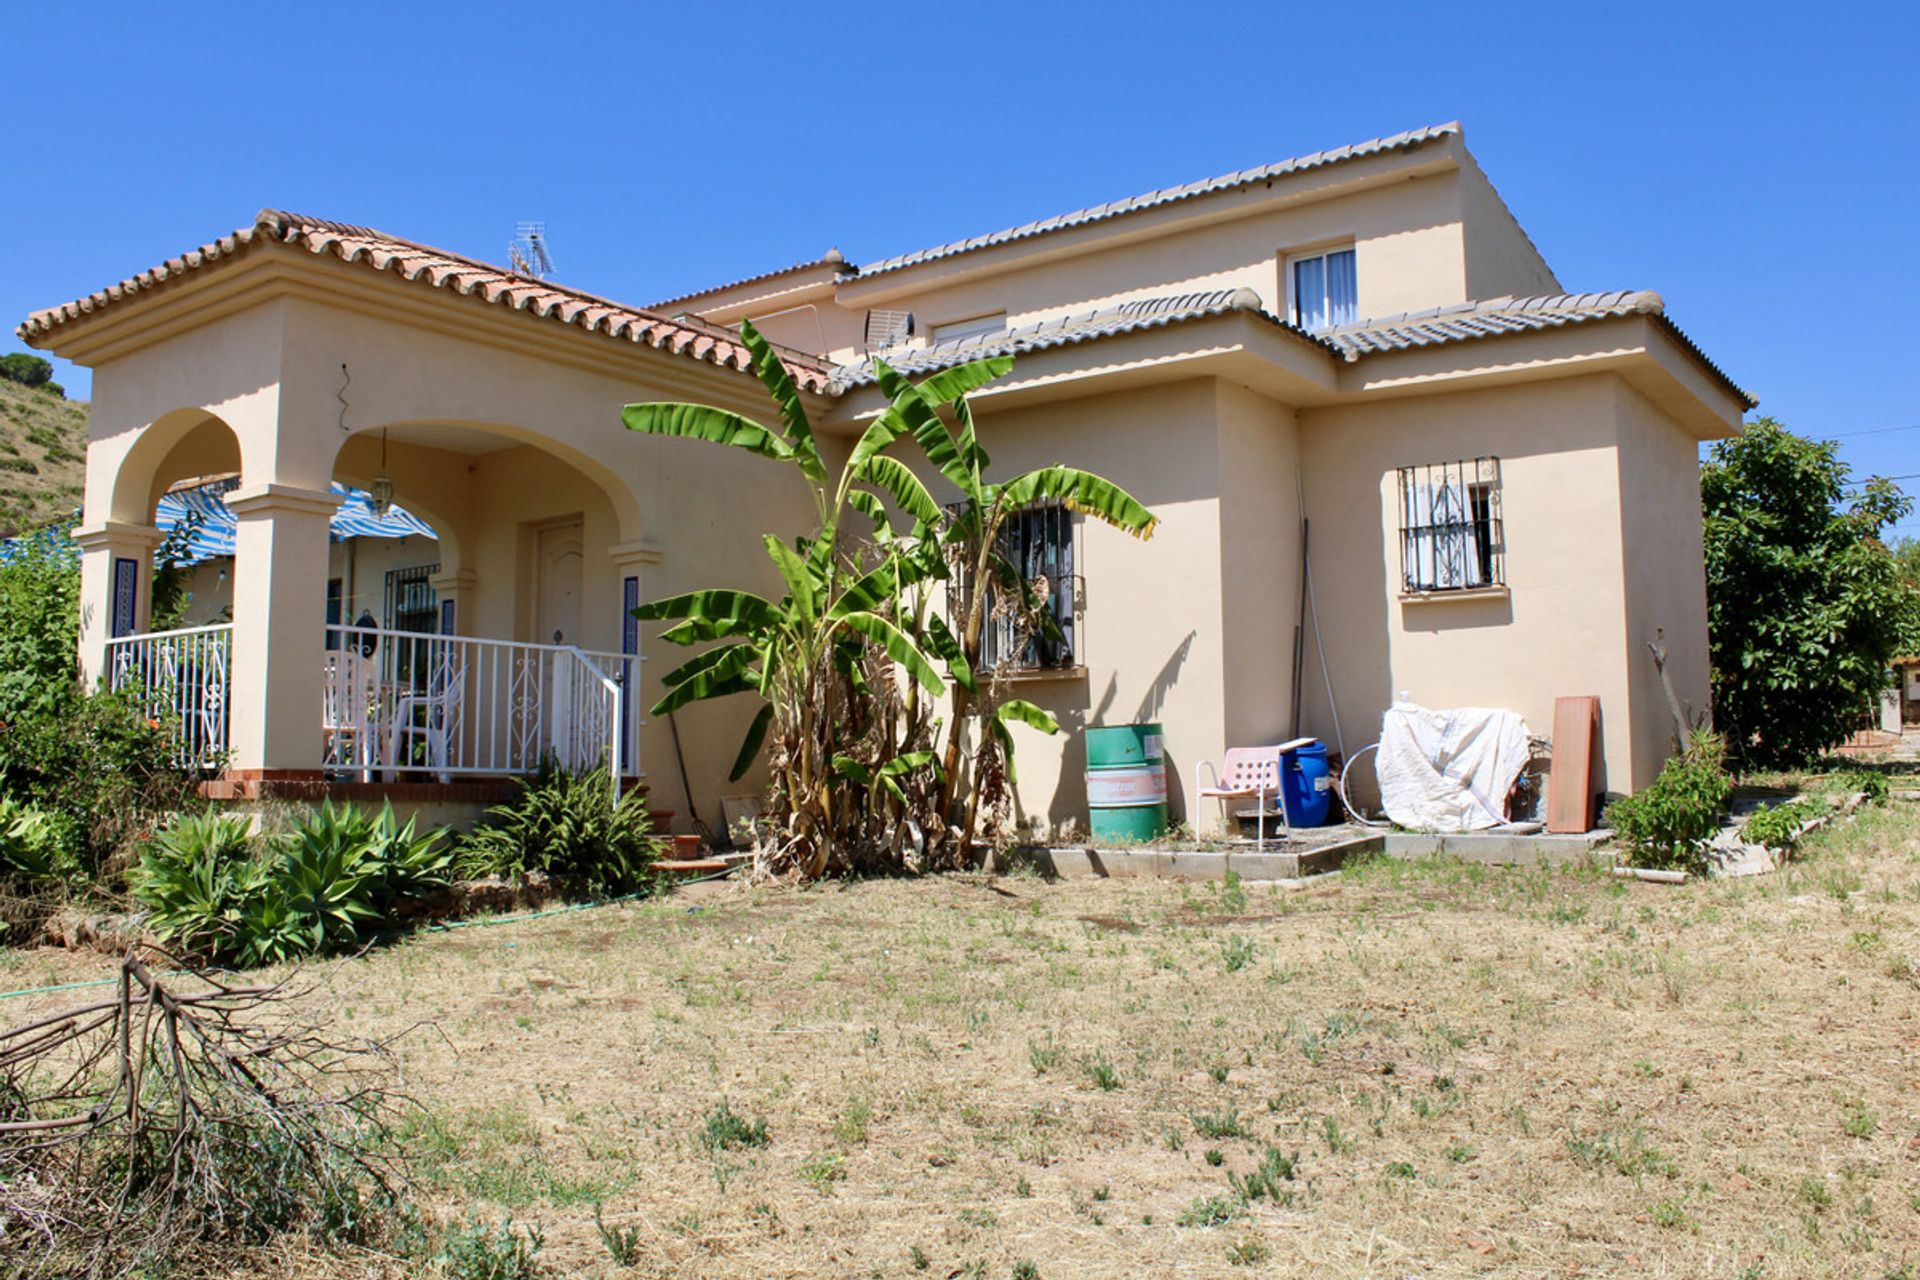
(1408, 1070)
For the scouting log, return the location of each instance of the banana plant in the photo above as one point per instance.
(973, 532)
(801, 653)
(844, 602)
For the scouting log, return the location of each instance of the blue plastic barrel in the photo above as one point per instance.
(1306, 784)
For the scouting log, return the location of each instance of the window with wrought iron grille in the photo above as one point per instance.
(1451, 537)
(410, 606)
(1036, 546)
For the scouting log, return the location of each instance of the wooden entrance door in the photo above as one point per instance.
(558, 557)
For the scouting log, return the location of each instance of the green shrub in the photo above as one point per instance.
(100, 764)
(95, 758)
(33, 852)
(39, 625)
(1671, 822)
(408, 863)
(215, 889)
(315, 890)
(1778, 827)
(26, 368)
(1871, 783)
(37, 867)
(476, 1252)
(566, 826)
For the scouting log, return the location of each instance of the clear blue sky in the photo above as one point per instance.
(1759, 167)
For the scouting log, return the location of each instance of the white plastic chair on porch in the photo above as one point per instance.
(1246, 773)
(431, 715)
(346, 710)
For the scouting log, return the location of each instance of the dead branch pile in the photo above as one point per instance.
(183, 1116)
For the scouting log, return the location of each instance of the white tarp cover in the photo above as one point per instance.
(1449, 771)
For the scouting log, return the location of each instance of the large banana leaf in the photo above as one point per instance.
(904, 487)
(786, 398)
(946, 646)
(705, 660)
(968, 441)
(880, 434)
(881, 584)
(1082, 491)
(736, 611)
(921, 415)
(870, 506)
(704, 422)
(799, 575)
(949, 385)
(750, 745)
(897, 645)
(891, 771)
(1026, 713)
(724, 677)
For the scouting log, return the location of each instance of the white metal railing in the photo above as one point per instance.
(402, 703)
(182, 679)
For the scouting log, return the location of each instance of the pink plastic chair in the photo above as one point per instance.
(1246, 773)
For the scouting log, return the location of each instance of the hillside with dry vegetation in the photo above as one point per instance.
(43, 445)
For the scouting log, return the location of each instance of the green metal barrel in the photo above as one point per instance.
(1127, 782)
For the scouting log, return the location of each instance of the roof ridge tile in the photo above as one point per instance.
(440, 269)
(1404, 141)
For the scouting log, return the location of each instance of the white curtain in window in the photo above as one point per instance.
(1343, 294)
(1310, 293)
(1441, 550)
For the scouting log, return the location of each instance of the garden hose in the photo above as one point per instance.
(1347, 803)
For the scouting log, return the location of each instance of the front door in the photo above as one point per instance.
(557, 561)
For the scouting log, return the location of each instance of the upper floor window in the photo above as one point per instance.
(1450, 532)
(1325, 289)
(971, 327)
(1030, 605)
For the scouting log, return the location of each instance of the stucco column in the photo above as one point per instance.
(279, 622)
(116, 586)
(630, 561)
(453, 593)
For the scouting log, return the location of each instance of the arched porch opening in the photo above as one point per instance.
(503, 639)
(157, 581)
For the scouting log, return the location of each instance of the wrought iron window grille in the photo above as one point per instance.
(1452, 536)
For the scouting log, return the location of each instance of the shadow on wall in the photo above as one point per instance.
(1455, 615)
(1068, 707)
(1069, 797)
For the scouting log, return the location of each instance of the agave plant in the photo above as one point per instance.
(320, 886)
(850, 752)
(193, 879)
(407, 863)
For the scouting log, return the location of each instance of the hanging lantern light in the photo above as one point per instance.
(383, 482)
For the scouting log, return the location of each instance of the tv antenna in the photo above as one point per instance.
(528, 252)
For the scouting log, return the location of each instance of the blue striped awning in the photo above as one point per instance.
(213, 537)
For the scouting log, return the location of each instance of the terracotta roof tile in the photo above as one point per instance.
(439, 269)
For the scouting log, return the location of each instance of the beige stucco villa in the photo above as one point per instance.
(1496, 479)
